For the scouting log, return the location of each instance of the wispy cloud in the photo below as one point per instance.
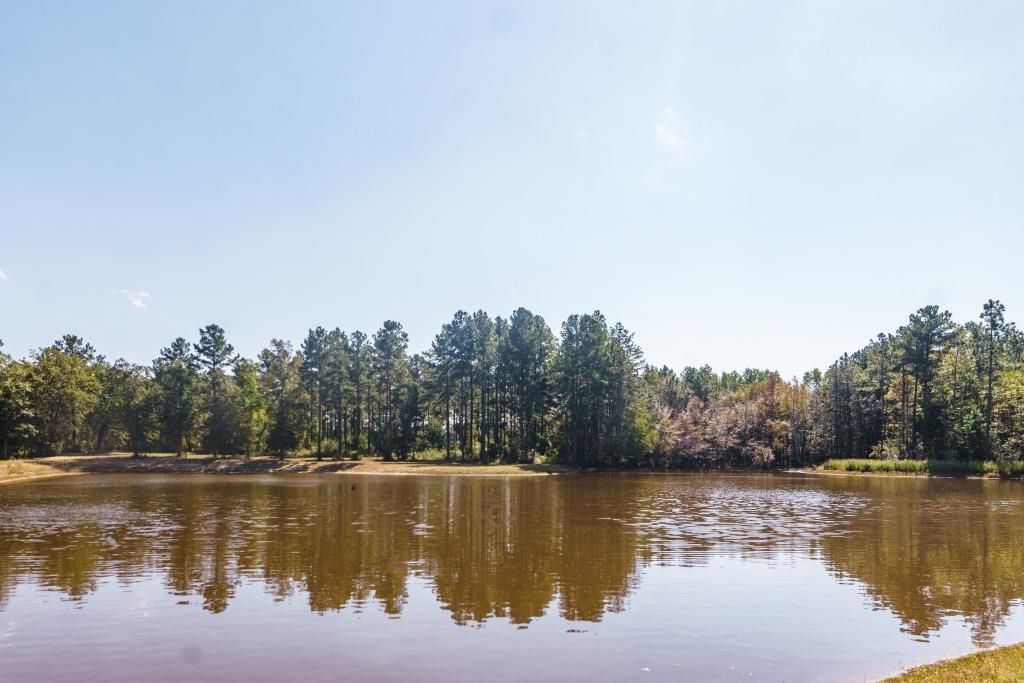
(4, 277)
(667, 130)
(669, 137)
(138, 299)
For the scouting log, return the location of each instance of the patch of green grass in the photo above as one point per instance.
(1003, 665)
(429, 454)
(15, 468)
(968, 467)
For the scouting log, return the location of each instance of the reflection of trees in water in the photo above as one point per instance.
(490, 548)
(487, 549)
(512, 548)
(927, 549)
(509, 548)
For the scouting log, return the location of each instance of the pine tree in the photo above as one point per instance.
(390, 367)
(314, 360)
(214, 355)
(177, 399)
(993, 335)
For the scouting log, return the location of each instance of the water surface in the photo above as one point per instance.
(617, 577)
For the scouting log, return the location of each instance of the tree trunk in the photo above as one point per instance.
(447, 418)
(988, 394)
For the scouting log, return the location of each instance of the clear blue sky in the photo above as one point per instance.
(741, 184)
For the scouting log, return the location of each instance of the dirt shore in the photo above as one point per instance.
(26, 470)
(116, 463)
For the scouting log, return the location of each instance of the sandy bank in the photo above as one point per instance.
(27, 470)
(117, 463)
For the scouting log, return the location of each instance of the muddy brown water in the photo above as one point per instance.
(694, 577)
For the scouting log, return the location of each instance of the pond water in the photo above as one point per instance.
(644, 577)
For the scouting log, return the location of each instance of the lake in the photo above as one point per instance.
(703, 577)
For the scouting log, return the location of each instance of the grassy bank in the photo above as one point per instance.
(979, 468)
(22, 470)
(1003, 665)
(117, 463)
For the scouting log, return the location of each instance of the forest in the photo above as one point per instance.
(508, 389)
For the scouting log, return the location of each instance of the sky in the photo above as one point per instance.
(743, 184)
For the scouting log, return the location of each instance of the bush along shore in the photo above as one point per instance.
(1013, 469)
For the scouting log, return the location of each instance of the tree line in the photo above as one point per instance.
(932, 389)
(507, 389)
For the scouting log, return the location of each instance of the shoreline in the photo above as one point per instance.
(125, 463)
(930, 467)
(33, 469)
(18, 479)
(1004, 663)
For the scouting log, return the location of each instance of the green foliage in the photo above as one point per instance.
(282, 388)
(313, 374)
(64, 389)
(525, 356)
(601, 396)
(249, 408)
(177, 395)
(931, 390)
(17, 424)
(213, 355)
(391, 368)
(134, 398)
(1008, 415)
